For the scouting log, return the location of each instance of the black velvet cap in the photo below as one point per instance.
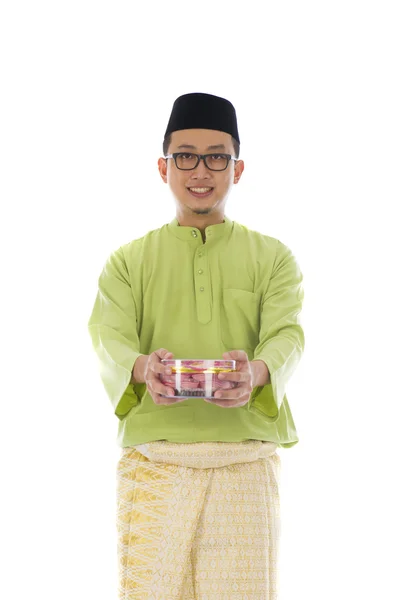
(203, 111)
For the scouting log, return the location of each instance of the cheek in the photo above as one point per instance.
(176, 181)
(226, 181)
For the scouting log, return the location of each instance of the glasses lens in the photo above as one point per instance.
(217, 162)
(186, 161)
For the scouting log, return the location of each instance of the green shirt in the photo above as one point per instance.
(238, 290)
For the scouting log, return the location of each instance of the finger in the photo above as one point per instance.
(236, 355)
(226, 385)
(161, 400)
(158, 399)
(163, 353)
(159, 367)
(164, 390)
(155, 386)
(233, 394)
(234, 376)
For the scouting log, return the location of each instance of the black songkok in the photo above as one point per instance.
(203, 111)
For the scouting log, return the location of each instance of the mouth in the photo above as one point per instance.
(200, 192)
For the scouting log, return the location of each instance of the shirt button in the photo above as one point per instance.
(201, 289)
(194, 233)
(200, 271)
(200, 255)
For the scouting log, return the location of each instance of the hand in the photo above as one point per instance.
(151, 377)
(244, 375)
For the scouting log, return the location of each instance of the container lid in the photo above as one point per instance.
(199, 364)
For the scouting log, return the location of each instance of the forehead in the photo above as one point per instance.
(200, 139)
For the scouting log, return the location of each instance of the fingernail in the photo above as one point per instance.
(170, 392)
(168, 371)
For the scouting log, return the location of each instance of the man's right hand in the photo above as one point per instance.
(147, 369)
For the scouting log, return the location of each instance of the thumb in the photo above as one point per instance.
(163, 353)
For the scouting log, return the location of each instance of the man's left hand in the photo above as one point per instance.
(244, 376)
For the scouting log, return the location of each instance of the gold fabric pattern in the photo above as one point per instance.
(198, 521)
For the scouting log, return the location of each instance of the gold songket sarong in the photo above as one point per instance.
(198, 521)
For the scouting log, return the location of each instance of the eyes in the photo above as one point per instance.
(215, 157)
(187, 161)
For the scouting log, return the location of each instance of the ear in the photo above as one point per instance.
(163, 169)
(239, 167)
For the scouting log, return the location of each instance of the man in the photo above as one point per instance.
(198, 479)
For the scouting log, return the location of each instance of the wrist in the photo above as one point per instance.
(261, 374)
(139, 369)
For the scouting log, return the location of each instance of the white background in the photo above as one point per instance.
(86, 93)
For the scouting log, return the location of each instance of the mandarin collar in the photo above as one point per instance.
(191, 234)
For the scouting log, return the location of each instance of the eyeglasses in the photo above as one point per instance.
(214, 162)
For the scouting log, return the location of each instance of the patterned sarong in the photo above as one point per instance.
(198, 521)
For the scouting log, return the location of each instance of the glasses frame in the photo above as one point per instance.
(202, 157)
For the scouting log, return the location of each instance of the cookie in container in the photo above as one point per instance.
(197, 378)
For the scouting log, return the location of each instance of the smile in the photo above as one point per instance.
(200, 192)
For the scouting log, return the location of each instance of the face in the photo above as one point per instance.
(200, 141)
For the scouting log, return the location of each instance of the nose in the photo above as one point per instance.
(201, 170)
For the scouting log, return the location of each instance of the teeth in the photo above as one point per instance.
(200, 190)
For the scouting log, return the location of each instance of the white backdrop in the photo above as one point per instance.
(86, 93)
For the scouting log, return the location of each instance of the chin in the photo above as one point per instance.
(201, 211)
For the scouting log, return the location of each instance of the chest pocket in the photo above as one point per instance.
(240, 319)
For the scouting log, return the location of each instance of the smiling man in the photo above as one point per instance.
(198, 478)
(201, 191)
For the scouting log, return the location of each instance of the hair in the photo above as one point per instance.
(167, 141)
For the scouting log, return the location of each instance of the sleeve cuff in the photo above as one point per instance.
(267, 399)
(122, 392)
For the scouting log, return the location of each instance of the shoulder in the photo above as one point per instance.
(256, 238)
(130, 255)
(139, 244)
(265, 246)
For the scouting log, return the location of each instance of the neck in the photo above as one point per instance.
(199, 221)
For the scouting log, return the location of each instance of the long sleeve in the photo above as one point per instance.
(281, 338)
(113, 330)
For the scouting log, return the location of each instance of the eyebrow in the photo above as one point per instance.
(214, 147)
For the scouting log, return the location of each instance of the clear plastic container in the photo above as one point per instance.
(197, 378)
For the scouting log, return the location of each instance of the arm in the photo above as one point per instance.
(282, 339)
(113, 331)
